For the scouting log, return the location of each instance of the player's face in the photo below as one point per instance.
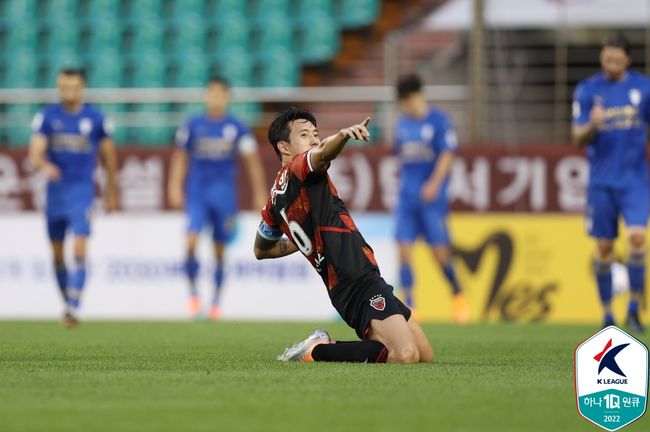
(216, 98)
(614, 62)
(303, 136)
(415, 105)
(70, 89)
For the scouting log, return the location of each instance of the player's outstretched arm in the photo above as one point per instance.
(109, 160)
(177, 172)
(273, 248)
(331, 146)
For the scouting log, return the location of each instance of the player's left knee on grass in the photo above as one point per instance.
(404, 354)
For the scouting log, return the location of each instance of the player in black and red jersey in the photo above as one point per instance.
(304, 205)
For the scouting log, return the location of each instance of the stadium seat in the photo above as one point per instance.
(276, 31)
(147, 34)
(191, 70)
(21, 36)
(188, 32)
(60, 11)
(62, 36)
(21, 70)
(181, 8)
(18, 10)
(248, 112)
(266, 8)
(105, 69)
(235, 66)
(102, 10)
(231, 32)
(277, 68)
(152, 132)
(19, 117)
(221, 8)
(103, 34)
(139, 9)
(57, 60)
(357, 13)
(319, 39)
(149, 70)
(313, 8)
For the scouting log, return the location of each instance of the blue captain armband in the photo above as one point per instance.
(268, 232)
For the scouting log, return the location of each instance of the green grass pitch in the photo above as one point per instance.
(202, 376)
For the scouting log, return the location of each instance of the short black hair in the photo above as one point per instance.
(408, 85)
(617, 40)
(280, 127)
(71, 71)
(216, 79)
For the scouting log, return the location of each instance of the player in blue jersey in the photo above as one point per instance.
(425, 142)
(610, 112)
(67, 139)
(203, 178)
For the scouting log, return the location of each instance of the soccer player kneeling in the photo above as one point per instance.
(304, 205)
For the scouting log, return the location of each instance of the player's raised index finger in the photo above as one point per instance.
(365, 121)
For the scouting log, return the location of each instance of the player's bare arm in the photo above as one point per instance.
(331, 146)
(581, 135)
(255, 170)
(38, 159)
(273, 248)
(108, 157)
(431, 188)
(177, 172)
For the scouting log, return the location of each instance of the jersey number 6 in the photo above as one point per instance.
(299, 235)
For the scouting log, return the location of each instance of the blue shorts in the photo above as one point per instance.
(428, 221)
(77, 219)
(605, 205)
(222, 218)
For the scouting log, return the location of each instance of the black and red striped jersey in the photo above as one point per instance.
(306, 207)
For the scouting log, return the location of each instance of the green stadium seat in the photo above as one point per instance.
(232, 32)
(248, 112)
(146, 35)
(188, 32)
(18, 10)
(191, 109)
(150, 70)
(21, 36)
(102, 10)
(105, 69)
(313, 8)
(21, 70)
(319, 39)
(57, 60)
(357, 13)
(19, 118)
(103, 34)
(62, 36)
(274, 32)
(191, 70)
(221, 8)
(236, 66)
(58, 11)
(267, 8)
(182, 8)
(153, 132)
(278, 68)
(143, 8)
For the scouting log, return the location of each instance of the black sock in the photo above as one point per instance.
(368, 351)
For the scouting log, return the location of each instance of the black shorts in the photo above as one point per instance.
(365, 299)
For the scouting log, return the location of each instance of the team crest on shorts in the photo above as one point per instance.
(378, 302)
(611, 378)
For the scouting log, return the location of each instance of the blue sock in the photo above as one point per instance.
(192, 271)
(77, 283)
(450, 274)
(218, 282)
(406, 282)
(603, 270)
(62, 279)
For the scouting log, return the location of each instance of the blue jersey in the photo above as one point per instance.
(617, 155)
(212, 146)
(73, 140)
(419, 142)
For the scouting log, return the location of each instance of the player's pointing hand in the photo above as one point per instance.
(358, 131)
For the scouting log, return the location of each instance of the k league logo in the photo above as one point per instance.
(611, 378)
